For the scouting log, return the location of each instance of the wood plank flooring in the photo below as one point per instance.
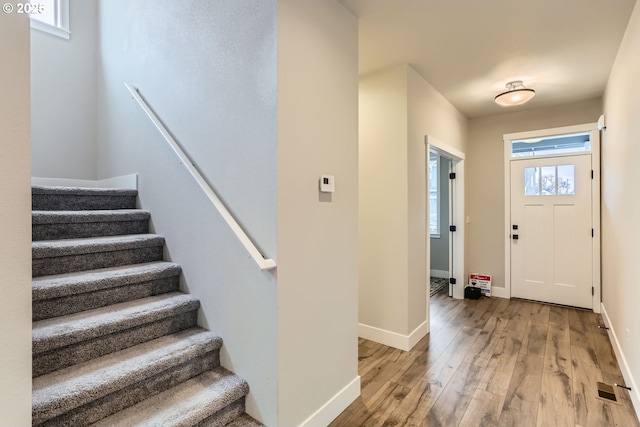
(493, 362)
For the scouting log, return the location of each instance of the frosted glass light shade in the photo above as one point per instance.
(516, 94)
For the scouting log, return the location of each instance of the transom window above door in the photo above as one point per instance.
(560, 144)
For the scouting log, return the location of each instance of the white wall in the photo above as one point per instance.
(317, 233)
(397, 109)
(621, 203)
(63, 97)
(210, 72)
(484, 195)
(15, 226)
(383, 199)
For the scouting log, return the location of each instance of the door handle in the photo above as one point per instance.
(514, 236)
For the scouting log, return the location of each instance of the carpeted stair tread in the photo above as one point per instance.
(244, 421)
(53, 248)
(61, 224)
(66, 330)
(77, 217)
(186, 404)
(66, 389)
(77, 198)
(82, 191)
(60, 285)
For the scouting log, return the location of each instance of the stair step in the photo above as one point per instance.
(63, 294)
(62, 341)
(55, 225)
(203, 398)
(244, 421)
(91, 253)
(87, 392)
(76, 198)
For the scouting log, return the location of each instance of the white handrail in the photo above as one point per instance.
(264, 264)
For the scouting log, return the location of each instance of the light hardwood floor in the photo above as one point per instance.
(493, 362)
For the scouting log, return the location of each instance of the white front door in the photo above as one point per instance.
(551, 230)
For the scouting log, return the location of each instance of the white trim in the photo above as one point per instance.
(125, 181)
(50, 29)
(334, 406)
(595, 220)
(441, 274)
(564, 130)
(61, 29)
(500, 292)
(260, 260)
(394, 339)
(622, 362)
(418, 333)
(445, 149)
(590, 128)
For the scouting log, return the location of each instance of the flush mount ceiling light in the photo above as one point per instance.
(516, 94)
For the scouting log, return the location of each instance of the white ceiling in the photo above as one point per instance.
(469, 49)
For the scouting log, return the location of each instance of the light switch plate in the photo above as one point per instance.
(327, 183)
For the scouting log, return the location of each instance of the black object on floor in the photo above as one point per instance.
(472, 292)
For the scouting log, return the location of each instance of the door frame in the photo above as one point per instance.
(456, 242)
(592, 128)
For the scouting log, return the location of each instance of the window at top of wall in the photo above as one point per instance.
(50, 16)
(560, 144)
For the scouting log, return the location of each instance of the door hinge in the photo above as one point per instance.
(452, 175)
(593, 292)
(452, 228)
(592, 233)
(591, 173)
(452, 280)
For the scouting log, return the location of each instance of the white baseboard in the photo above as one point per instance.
(418, 333)
(393, 339)
(125, 181)
(622, 361)
(334, 407)
(500, 292)
(442, 274)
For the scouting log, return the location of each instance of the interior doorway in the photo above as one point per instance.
(454, 172)
(440, 209)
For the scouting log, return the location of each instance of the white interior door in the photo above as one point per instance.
(551, 230)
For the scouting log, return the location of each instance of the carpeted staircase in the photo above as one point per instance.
(115, 342)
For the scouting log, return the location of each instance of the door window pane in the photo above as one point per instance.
(566, 179)
(531, 181)
(548, 180)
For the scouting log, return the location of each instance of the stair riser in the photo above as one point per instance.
(129, 396)
(58, 202)
(91, 229)
(225, 415)
(62, 306)
(81, 262)
(56, 359)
